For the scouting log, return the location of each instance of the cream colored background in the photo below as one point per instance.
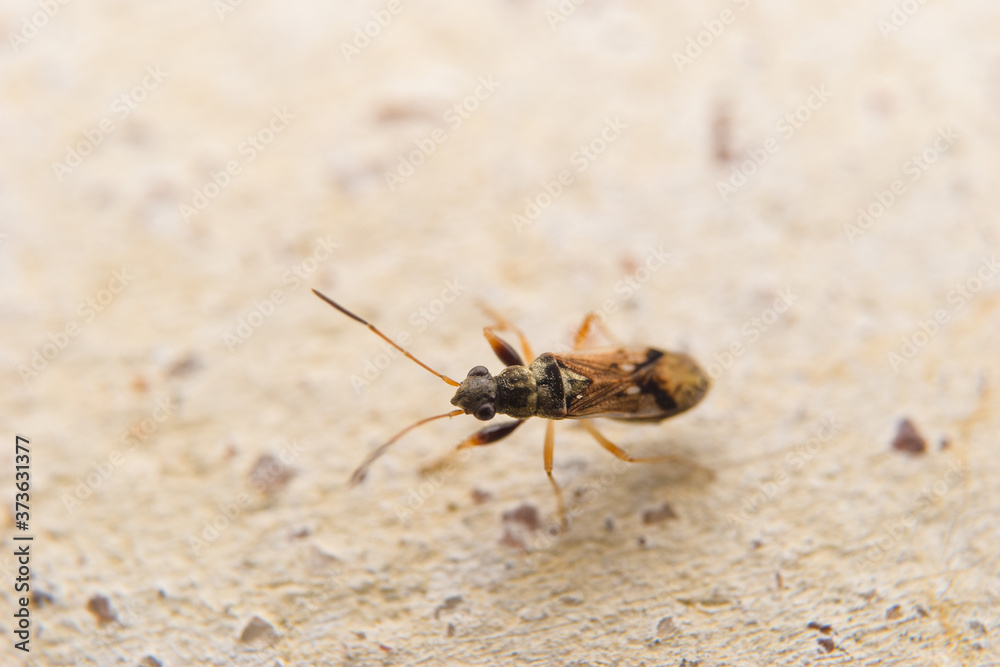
(332, 572)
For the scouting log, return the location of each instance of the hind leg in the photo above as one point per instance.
(625, 456)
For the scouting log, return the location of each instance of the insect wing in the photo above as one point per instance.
(625, 383)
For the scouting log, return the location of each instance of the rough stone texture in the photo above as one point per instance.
(223, 531)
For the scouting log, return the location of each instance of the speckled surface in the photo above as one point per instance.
(684, 169)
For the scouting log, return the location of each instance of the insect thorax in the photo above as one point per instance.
(537, 390)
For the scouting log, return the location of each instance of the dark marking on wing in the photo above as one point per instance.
(649, 385)
(608, 391)
(652, 356)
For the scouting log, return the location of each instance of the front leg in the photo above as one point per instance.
(505, 350)
(490, 434)
(484, 436)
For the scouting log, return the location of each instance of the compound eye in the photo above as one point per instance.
(485, 412)
(478, 370)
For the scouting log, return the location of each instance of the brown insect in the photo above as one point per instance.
(626, 382)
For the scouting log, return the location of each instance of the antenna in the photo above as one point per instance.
(388, 340)
(358, 475)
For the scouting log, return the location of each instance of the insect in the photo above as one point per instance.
(627, 382)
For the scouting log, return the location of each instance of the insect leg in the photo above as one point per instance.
(507, 354)
(485, 436)
(625, 456)
(549, 448)
(584, 331)
(503, 325)
(490, 434)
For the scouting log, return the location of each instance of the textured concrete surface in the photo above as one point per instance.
(801, 197)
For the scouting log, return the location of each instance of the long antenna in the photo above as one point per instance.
(358, 475)
(384, 337)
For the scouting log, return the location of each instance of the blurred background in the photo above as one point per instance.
(800, 196)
